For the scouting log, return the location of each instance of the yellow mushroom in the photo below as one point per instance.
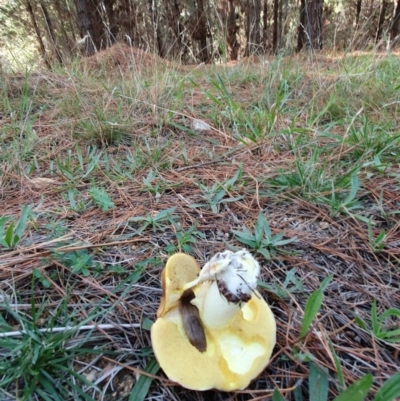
(213, 329)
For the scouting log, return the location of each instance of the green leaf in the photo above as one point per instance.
(390, 389)
(285, 241)
(389, 312)
(142, 385)
(318, 383)
(264, 252)
(277, 396)
(380, 238)
(357, 391)
(9, 238)
(353, 190)
(374, 319)
(262, 222)
(21, 225)
(312, 307)
(147, 323)
(101, 198)
(342, 384)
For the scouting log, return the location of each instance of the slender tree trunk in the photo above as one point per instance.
(395, 23)
(280, 31)
(202, 31)
(174, 16)
(265, 25)
(253, 26)
(96, 20)
(358, 13)
(310, 28)
(37, 31)
(66, 40)
(381, 20)
(51, 32)
(156, 26)
(85, 26)
(113, 23)
(275, 27)
(233, 29)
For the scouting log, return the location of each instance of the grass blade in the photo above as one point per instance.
(390, 389)
(318, 383)
(142, 386)
(277, 396)
(357, 391)
(312, 307)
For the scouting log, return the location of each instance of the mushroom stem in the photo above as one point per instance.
(215, 311)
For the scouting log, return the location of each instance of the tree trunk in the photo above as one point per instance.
(275, 28)
(94, 8)
(280, 31)
(233, 29)
(265, 25)
(310, 27)
(253, 26)
(37, 31)
(156, 27)
(51, 32)
(67, 42)
(112, 22)
(395, 23)
(174, 19)
(358, 13)
(202, 31)
(85, 26)
(381, 20)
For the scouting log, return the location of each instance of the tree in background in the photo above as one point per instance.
(310, 28)
(199, 30)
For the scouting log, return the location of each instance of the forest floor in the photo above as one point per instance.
(110, 166)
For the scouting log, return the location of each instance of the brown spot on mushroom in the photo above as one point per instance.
(191, 321)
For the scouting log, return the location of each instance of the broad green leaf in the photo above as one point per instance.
(142, 385)
(380, 238)
(262, 222)
(318, 383)
(245, 234)
(298, 395)
(353, 190)
(229, 183)
(21, 224)
(101, 198)
(285, 241)
(264, 252)
(218, 196)
(357, 391)
(9, 237)
(390, 389)
(164, 213)
(277, 396)
(312, 307)
(147, 323)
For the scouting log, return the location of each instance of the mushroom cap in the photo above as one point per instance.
(235, 354)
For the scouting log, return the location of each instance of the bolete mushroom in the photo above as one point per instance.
(213, 329)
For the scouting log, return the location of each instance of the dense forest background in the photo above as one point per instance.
(196, 31)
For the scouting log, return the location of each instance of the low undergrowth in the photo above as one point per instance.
(105, 174)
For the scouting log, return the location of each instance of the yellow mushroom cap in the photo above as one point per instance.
(237, 351)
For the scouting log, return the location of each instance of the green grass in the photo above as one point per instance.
(300, 166)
